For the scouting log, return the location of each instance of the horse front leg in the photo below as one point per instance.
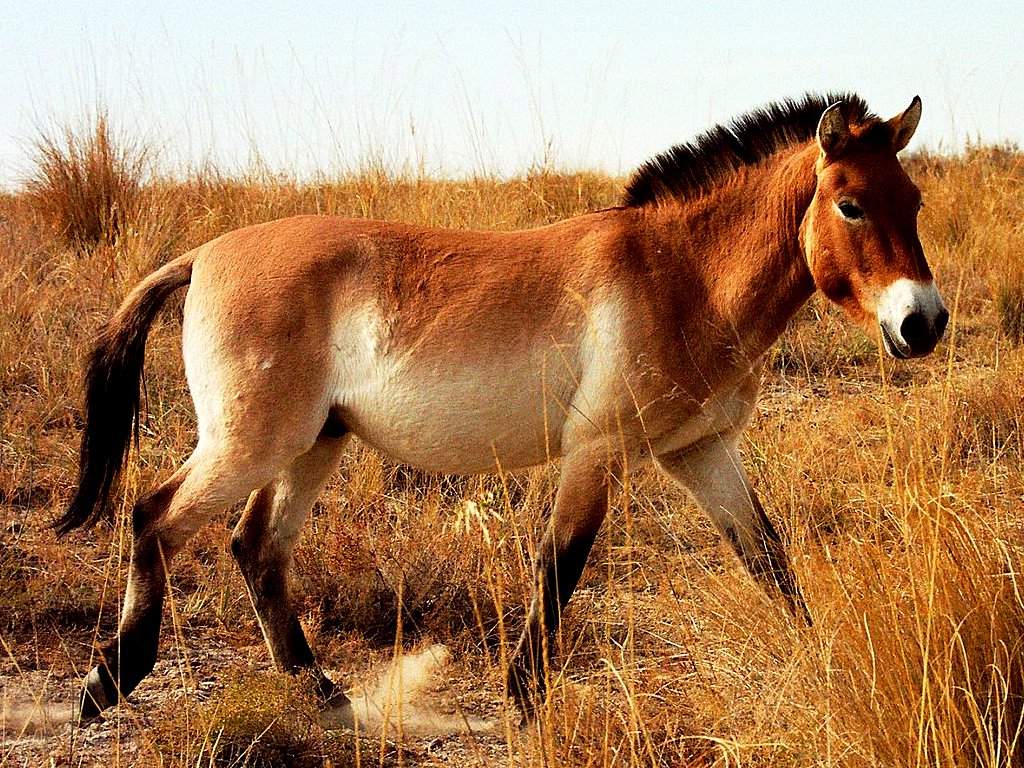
(713, 474)
(581, 504)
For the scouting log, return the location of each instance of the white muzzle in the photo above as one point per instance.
(912, 317)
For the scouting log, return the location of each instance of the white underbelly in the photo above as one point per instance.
(459, 416)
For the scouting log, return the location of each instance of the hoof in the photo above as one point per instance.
(94, 698)
(522, 690)
(87, 717)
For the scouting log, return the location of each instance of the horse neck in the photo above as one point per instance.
(750, 257)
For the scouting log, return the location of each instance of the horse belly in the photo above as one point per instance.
(454, 417)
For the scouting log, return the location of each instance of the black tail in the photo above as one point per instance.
(113, 384)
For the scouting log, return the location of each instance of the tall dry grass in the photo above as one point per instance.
(88, 182)
(898, 487)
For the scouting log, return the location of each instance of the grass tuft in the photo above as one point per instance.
(1010, 306)
(88, 183)
(256, 721)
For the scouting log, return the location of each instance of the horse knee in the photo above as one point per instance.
(150, 509)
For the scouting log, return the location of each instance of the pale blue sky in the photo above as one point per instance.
(466, 86)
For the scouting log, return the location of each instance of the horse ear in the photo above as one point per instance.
(832, 130)
(904, 125)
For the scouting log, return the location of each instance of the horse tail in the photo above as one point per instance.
(113, 389)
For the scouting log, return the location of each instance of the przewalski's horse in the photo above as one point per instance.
(613, 338)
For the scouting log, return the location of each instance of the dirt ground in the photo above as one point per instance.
(452, 718)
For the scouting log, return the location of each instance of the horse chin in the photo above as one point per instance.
(860, 318)
(892, 347)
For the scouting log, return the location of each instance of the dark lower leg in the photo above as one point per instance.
(268, 587)
(556, 575)
(770, 564)
(127, 658)
(713, 472)
(265, 562)
(580, 508)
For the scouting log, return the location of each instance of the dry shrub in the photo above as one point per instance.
(41, 590)
(635, 727)
(87, 184)
(985, 421)
(416, 557)
(916, 655)
(261, 720)
(15, 599)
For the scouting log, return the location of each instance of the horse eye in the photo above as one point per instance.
(850, 210)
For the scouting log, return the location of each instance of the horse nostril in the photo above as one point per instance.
(914, 330)
(940, 323)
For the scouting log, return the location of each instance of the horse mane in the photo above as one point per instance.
(693, 168)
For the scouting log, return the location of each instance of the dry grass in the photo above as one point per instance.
(257, 720)
(899, 487)
(1010, 304)
(88, 183)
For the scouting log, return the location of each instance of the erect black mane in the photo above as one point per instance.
(693, 168)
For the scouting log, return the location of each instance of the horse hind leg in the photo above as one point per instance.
(163, 521)
(262, 544)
